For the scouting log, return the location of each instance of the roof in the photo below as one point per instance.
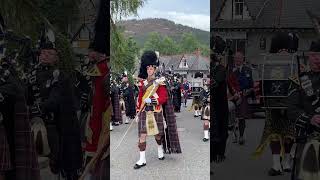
(195, 62)
(265, 14)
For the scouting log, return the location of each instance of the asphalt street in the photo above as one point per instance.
(192, 164)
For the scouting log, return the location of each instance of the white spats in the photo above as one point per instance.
(286, 163)
(206, 134)
(276, 162)
(142, 159)
(160, 151)
(127, 120)
(111, 127)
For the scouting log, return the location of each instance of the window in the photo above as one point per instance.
(238, 7)
(237, 45)
(184, 63)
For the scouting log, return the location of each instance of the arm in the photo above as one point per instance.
(140, 95)
(163, 95)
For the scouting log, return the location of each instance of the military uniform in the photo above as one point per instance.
(205, 112)
(244, 76)
(156, 116)
(279, 126)
(303, 104)
(129, 101)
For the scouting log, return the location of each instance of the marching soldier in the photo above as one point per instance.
(185, 91)
(17, 147)
(59, 111)
(115, 101)
(244, 75)
(205, 114)
(154, 118)
(304, 106)
(176, 94)
(279, 127)
(129, 98)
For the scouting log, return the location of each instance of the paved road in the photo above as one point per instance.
(239, 165)
(192, 164)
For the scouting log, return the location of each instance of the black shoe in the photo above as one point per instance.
(273, 172)
(161, 158)
(205, 139)
(241, 141)
(137, 166)
(195, 116)
(288, 170)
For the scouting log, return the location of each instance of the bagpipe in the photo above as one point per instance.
(303, 126)
(306, 163)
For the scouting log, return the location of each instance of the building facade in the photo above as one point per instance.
(248, 25)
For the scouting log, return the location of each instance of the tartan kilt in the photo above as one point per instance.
(205, 112)
(142, 128)
(26, 159)
(242, 110)
(117, 114)
(5, 157)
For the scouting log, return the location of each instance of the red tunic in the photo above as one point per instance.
(99, 106)
(161, 99)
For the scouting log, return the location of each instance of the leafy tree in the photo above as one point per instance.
(122, 49)
(189, 43)
(153, 42)
(169, 46)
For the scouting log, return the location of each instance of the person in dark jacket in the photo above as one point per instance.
(176, 95)
(62, 122)
(244, 76)
(128, 96)
(219, 111)
(304, 109)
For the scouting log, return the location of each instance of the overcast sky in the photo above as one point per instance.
(193, 13)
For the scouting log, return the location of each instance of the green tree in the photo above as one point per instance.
(169, 46)
(121, 48)
(189, 43)
(153, 42)
(205, 50)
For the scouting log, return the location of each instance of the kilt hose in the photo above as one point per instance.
(142, 128)
(5, 160)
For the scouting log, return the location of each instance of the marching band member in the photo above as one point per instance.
(153, 115)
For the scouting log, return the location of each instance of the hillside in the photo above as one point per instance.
(139, 30)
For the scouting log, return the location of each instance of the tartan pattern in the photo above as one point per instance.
(277, 127)
(242, 110)
(5, 160)
(171, 140)
(117, 117)
(26, 159)
(205, 112)
(142, 123)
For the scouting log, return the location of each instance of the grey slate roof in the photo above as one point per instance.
(293, 14)
(195, 63)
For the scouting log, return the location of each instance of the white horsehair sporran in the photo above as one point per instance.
(151, 124)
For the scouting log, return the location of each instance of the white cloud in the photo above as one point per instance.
(199, 21)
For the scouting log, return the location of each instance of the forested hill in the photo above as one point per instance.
(139, 30)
